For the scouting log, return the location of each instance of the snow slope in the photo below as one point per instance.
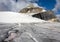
(13, 17)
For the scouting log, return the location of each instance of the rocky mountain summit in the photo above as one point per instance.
(32, 9)
(39, 12)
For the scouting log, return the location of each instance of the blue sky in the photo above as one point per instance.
(48, 4)
(16, 5)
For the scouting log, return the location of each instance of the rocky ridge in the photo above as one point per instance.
(40, 13)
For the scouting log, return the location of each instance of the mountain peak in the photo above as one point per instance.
(31, 8)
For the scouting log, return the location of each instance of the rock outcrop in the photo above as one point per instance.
(48, 16)
(40, 13)
(32, 9)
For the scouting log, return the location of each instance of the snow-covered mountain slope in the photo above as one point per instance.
(13, 17)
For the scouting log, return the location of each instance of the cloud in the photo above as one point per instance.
(57, 6)
(14, 5)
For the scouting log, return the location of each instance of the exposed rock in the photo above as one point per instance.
(40, 13)
(48, 16)
(32, 9)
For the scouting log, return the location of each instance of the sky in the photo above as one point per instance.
(17, 5)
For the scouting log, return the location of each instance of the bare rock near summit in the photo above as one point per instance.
(48, 16)
(40, 13)
(31, 9)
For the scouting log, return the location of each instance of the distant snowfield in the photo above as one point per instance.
(13, 17)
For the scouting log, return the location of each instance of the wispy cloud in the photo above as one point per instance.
(14, 5)
(57, 6)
